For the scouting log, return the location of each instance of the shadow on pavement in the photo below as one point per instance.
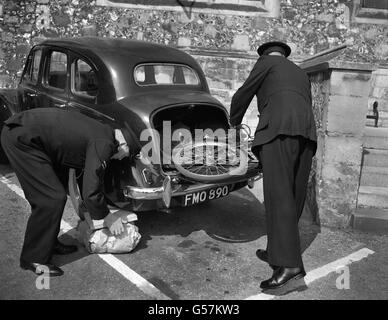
(238, 217)
(81, 253)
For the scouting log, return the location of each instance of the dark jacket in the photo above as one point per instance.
(72, 140)
(283, 98)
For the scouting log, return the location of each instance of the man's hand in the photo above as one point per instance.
(114, 223)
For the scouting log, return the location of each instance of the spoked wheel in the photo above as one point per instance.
(210, 161)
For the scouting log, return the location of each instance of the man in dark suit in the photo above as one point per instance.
(285, 143)
(41, 145)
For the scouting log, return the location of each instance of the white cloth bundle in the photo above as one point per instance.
(95, 236)
(98, 239)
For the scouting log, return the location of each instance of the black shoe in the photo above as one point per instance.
(263, 256)
(62, 249)
(281, 277)
(40, 268)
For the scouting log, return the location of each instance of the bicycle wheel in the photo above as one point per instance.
(210, 161)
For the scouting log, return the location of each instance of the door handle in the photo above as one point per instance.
(60, 105)
(31, 94)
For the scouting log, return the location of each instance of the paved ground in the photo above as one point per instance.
(202, 252)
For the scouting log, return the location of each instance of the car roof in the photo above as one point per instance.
(114, 56)
(116, 48)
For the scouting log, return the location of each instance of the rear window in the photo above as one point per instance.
(152, 74)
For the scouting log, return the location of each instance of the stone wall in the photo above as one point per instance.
(320, 91)
(308, 26)
(225, 73)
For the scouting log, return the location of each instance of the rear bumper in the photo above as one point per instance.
(167, 191)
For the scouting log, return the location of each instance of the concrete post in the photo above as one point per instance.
(341, 120)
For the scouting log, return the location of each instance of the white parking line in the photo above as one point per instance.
(12, 186)
(323, 271)
(145, 286)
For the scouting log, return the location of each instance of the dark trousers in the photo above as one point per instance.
(286, 162)
(43, 190)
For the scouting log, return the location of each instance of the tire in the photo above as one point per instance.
(210, 171)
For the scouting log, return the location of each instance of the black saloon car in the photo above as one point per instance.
(159, 96)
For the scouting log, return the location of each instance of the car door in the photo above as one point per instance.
(29, 82)
(83, 97)
(84, 89)
(54, 86)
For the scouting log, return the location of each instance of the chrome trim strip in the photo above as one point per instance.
(140, 193)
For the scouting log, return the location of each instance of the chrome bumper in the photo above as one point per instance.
(167, 191)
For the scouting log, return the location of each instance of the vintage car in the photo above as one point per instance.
(152, 92)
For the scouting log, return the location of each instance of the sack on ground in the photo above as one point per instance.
(98, 239)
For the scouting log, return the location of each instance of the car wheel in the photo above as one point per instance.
(210, 161)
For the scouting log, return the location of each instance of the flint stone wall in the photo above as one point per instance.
(308, 26)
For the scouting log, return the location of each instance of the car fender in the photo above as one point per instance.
(8, 105)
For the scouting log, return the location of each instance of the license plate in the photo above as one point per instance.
(201, 196)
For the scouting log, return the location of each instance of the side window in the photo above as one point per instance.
(35, 66)
(27, 71)
(371, 11)
(375, 4)
(32, 66)
(56, 71)
(84, 79)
